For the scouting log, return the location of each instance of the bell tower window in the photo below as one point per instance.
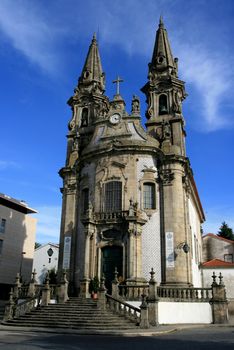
(113, 196)
(163, 108)
(149, 196)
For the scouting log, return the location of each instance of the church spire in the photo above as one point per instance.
(165, 93)
(162, 59)
(92, 77)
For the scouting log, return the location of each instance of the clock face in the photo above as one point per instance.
(115, 118)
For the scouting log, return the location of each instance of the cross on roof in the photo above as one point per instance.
(117, 81)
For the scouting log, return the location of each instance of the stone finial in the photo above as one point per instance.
(17, 279)
(116, 275)
(11, 299)
(65, 276)
(221, 279)
(143, 301)
(152, 273)
(214, 283)
(33, 279)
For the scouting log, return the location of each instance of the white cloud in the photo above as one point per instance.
(48, 224)
(30, 32)
(5, 164)
(212, 79)
(131, 25)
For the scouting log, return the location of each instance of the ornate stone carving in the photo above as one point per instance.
(166, 176)
(135, 105)
(177, 99)
(186, 184)
(70, 188)
(166, 131)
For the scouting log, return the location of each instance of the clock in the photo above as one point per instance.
(115, 118)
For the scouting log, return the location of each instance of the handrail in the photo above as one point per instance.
(26, 306)
(133, 292)
(184, 293)
(127, 310)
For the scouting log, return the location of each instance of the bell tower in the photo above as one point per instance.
(89, 106)
(164, 95)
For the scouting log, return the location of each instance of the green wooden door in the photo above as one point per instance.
(112, 257)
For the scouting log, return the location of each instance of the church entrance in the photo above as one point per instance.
(112, 257)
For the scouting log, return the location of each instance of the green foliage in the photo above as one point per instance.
(52, 276)
(226, 232)
(37, 245)
(94, 285)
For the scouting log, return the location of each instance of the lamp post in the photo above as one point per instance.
(21, 264)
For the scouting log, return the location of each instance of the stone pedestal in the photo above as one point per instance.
(63, 290)
(219, 302)
(153, 300)
(45, 300)
(144, 322)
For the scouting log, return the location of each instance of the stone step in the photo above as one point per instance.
(76, 313)
(74, 326)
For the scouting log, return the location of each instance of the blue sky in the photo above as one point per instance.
(43, 45)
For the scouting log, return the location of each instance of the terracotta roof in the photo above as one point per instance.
(217, 263)
(218, 237)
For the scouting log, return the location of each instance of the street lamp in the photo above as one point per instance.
(21, 264)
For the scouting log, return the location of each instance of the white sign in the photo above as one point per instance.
(66, 252)
(170, 255)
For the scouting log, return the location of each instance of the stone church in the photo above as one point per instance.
(129, 197)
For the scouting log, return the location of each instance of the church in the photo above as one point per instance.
(130, 201)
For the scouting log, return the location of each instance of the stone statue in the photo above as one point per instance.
(135, 105)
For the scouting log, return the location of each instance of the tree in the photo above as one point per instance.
(37, 245)
(226, 232)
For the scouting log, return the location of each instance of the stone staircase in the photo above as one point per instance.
(76, 313)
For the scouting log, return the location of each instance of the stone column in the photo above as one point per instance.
(68, 224)
(131, 255)
(175, 261)
(84, 283)
(219, 301)
(153, 300)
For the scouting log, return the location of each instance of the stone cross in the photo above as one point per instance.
(117, 81)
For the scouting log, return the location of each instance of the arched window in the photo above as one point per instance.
(149, 201)
(113, 196)
(163, 109)
(84, 116)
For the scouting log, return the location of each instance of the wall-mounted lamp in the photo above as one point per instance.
(184, 246)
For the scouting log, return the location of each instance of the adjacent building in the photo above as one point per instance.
(45, 260)
(218, 257)
(17, 239)
(129, 197)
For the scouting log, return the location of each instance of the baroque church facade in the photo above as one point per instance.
(129, 198)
